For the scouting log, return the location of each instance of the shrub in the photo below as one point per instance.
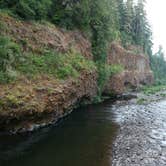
(106, 71)
(9, 58)
(61, 66)
(9, 54)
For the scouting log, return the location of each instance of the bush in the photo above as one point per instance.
(9, 54)
(9, 58)
(106, 71)
(153, 89)
(61, 66)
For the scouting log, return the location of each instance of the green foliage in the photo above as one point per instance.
(28, 9)
(61, 66)
(158, 65)
(106, 20)
(9, 57)
(3, 27)
(153, 89)
(106, 71)
(70, 14)
(9, 54)
(141, 101)
(100, 27)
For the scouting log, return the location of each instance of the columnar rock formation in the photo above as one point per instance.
(136, 71)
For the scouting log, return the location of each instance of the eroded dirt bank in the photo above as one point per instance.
(141, 140)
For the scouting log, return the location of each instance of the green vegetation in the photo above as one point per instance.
(106, 20)
(28, 9)
(61, 66)
(141, 101)
(102, 21)
(10, 54)
(105, 72)
(148, 90)
(158, 65)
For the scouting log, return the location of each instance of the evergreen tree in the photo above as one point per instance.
(28, 9)
(104, 26)
(158, 65)
(139, 23)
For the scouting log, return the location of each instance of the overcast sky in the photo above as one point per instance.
(156, 11)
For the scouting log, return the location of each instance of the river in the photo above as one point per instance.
(84, 138)
(121, 133)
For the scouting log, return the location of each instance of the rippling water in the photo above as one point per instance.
(83, 138)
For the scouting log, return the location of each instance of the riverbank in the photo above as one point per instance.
(120, 132)
(53, 71)
(141, 138)
(150, 94)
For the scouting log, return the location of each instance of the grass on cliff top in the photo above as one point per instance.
(14, 63)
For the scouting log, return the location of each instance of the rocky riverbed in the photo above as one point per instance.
(141, 140)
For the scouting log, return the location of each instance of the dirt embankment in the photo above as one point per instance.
(26, 103)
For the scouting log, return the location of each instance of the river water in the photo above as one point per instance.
(84, 138)
(121, 133)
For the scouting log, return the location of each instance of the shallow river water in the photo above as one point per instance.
(119, 134)
(84, 138)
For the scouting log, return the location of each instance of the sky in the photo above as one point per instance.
(156, 13)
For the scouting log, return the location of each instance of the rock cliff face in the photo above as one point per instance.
(26, 104)
(136, 71)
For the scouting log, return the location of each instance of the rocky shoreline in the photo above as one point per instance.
(141, 137)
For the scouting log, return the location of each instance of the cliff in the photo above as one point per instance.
(29, 103)
(136, 71)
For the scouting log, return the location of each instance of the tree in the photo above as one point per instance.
(71, 13)
(28, 9)
(158, 65)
